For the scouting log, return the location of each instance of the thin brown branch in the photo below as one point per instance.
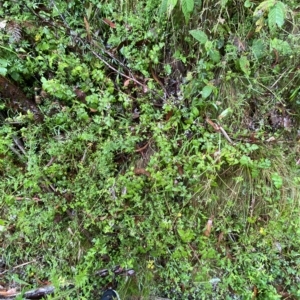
(117, 71)
(19, 266)
(143, 148)
(225, 134)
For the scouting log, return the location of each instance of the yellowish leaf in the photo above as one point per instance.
(259, 24)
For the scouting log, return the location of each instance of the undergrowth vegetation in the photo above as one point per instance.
(165, 138)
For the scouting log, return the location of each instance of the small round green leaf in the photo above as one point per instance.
(207, 90)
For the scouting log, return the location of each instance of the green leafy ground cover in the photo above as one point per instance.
(169, 144)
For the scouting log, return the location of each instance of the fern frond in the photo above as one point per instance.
(15, 32)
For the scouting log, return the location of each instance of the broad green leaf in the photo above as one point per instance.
(248, 4)
(189, 76)
(276, 15)
(3, 65)
(199, 35)
(281, 46)
(180, 253)
(89, 11)
(168, 69)
(3, 62)
(225, 113)
(207, 90)
(163, 7)
(3, 71)
(215, 55)
(245, 65)
(258, 49)
(187, 7)
(245, 161)
(171, 6)
(209, 45)
(195, 111)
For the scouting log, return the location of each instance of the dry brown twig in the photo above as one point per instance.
(19, 266)
(218, 128)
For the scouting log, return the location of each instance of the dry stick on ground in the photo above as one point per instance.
(124, 75)
(143, 148)
(19, 266)
(20, 145)
(225, 135)
(51, 161)
(117, 71)
(15, 151)
(195, 253)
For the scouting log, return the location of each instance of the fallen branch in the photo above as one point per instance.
(40, 292)
(143, 148)
(226, 135)
(117, 71)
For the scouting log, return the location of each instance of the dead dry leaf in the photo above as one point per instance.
(228, 254)
(140, 171)
(9, 293)
(109, 23)
(87, 28)
(180, 169)
(215, 126)
(145, 89)
(255, 292)
(208, 227)
(241, 45)
(126, 82)
(271, 139)
(169, 115)
(220, 239)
